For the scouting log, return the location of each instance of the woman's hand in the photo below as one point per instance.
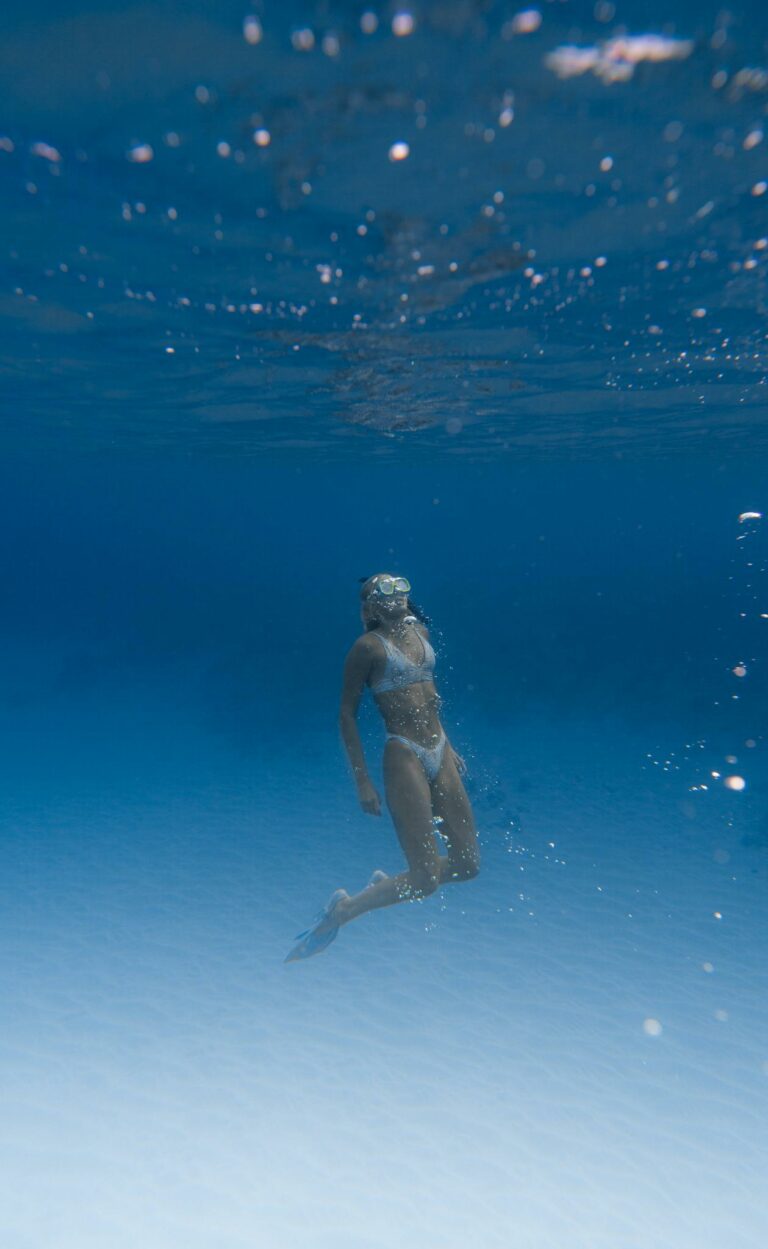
(461, 766)
(369, 798)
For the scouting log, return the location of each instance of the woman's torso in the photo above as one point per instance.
(401, 681)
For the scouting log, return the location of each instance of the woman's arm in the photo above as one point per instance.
(356, 671)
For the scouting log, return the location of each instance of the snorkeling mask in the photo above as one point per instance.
(387, 586)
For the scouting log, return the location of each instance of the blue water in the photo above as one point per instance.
(568, 1052)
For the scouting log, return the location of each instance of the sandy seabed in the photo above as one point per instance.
(567, 1053)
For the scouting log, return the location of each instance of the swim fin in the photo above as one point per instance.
(311, 942)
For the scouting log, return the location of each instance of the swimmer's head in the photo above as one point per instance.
(386, 597)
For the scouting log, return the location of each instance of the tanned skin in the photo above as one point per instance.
(413, 801)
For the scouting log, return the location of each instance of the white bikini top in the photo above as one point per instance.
(400, 671)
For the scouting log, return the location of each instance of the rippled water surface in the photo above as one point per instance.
(209, 243)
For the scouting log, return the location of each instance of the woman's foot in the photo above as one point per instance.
(377, 877)
(323, 931)
(331, 918)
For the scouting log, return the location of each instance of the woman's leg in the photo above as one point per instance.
(450, 802)
(410, 805)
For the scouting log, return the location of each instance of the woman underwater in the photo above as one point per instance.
(422, 778)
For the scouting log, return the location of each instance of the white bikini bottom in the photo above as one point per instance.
(430, 760)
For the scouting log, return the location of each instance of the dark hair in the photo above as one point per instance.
(413, 608)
